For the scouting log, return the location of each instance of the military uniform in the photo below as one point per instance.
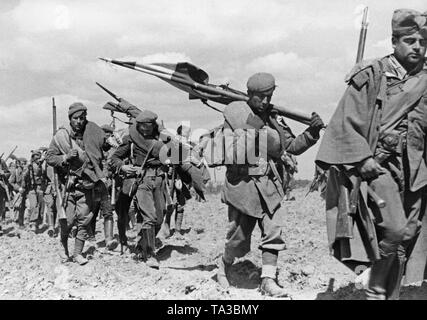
(382, 115)
(16, 180)
(4, 176)
(83, 176)
(34, 184)
(253, 192)
(104, 205)
(149, 190)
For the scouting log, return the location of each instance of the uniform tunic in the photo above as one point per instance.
(257, 198)
(16, 180)
(382, 115)
(3, 186)
(35, 181)
(89, 189)
(150, 193)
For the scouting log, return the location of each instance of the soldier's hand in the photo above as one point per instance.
(316, 122)
(73, 153)
(370, 169)
(128, 169)
(113, 142)
(21, 190)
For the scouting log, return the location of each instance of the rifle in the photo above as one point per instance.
(347, 209)
(61, 212)
(10, 154)
(122, 106)
(113, 178)
(6, 188)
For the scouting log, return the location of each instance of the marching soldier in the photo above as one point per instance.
(77, 153)
(34, 184)
(105, 206)
(142, 146)
(4, 177)
(253, 192)
(16, 180)
(376, 141)
(50, 196)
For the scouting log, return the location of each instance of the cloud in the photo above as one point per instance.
(289, 64)
(41, 16)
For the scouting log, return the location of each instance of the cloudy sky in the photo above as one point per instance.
(49, 48)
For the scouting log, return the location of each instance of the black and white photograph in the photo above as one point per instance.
(243, 152)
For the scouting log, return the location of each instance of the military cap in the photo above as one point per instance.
(76, 107)
(107, 128)
(406, 22)
(146, 116)
(260, 82)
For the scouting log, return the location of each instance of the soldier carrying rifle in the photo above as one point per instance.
(142, 146)
(77, 153)
(4, 176)
(254, 191)
(34, 184)
(376, 141)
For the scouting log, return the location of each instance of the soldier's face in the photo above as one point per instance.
(145, 128)
(410, 49)
(259, 101)
(78, 121)
(36, 158)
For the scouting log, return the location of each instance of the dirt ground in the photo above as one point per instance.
(30, 267)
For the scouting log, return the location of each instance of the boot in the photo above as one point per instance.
(394, 281)
(152, 261)
(64, 253)
(63, 231)
(178, 220)
(110, 242)
(78, 248)
(124, 249)
(380, 270)
(49, 218)
(92, 228)
(167, 223)
(223, 273)
(271, 288)
(141, 245)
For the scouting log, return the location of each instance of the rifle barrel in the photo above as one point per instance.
(362, 36)
(54, 126)
(10, 154)
(108, 91)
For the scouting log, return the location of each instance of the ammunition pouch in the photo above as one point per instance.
(393, 143)
(130, 186)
